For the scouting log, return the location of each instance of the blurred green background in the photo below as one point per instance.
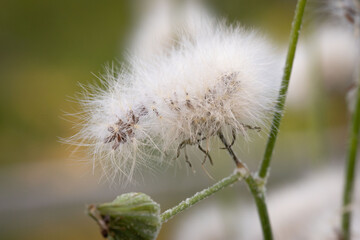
(48, 47)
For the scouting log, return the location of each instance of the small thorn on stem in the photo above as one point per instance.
(207, 155)
(188, 161)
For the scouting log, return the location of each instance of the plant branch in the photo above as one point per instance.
(350, 168)
(259, 197)
(255, 189)
(294, 36)
(168, 214)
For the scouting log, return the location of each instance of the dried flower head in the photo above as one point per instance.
(349, 11)
(221, 79)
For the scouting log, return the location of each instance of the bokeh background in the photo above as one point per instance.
(48, 47)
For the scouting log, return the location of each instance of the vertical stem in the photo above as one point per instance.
(294, 36)
(260, 202)
(257, 193)
(350, 168)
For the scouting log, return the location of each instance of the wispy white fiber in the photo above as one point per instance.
(218, 78)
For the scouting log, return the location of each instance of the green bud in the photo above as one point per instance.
(131, 216)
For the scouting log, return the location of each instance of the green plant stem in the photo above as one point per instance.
(255, 189)
(350, 169)
(294, 36)
(259, 197)
(168, 214)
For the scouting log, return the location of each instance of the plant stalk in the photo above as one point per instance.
(294, 36)
(350, 169)
(255, 189)
(168, 214)
(259, 197)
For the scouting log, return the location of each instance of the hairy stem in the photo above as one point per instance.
(259, 197)
(350, 169)
(294, 36)
(255, 189)
(168, 214)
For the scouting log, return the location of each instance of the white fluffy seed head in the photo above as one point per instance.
(223, 78)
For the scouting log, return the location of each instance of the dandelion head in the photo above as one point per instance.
(222, 79)
(225, 77)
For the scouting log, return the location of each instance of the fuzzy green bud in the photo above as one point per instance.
(131, 216)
